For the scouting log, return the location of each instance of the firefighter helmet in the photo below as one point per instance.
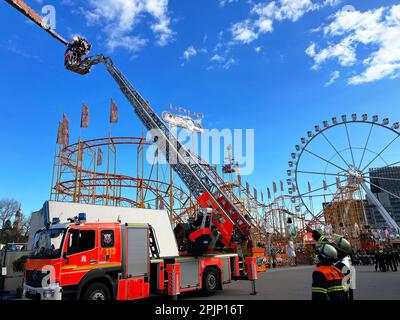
(326, 251)
(341, 244)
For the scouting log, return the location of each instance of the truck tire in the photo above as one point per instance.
(97, 291)
(211, 281)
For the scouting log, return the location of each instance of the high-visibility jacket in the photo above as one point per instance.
(328, 284)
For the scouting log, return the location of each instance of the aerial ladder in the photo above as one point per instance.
(233, 224)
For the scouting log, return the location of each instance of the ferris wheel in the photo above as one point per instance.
(347, 169)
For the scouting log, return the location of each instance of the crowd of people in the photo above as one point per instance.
(385, 258)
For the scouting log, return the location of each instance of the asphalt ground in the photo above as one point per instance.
(295, 284)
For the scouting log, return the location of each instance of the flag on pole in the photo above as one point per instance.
(337, 182)
(172, 107)
(60, 133)
(247, 188)
(282, 188)
(182, 110)
(113, 112)
(99, 157)
(239, 180)
(200, 116)
(309, 186)
(325, 185)
(255, 193)
(65, 125)
(262, 197)
(274, 187)
(85, 116)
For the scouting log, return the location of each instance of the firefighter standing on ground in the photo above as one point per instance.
(343, 248)
(327, 279)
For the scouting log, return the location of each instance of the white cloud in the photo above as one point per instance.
(244, 32)
(217, 58)
(189, 53)
(120, 17)
(263, 15)
(222, 3)
(376, 32)
(223, 62)
(334, 76)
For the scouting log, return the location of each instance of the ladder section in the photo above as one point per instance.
(153, 244)
(182, 161)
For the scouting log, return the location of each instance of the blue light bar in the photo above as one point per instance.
(55, 220)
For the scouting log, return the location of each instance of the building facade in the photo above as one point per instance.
(385, 185)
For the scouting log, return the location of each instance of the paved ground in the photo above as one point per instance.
(295, 284)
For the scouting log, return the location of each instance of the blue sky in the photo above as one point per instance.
(276, 66)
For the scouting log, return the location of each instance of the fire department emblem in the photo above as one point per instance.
(107, 239)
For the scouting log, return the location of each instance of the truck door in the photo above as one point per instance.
(110, 247)
(81, 254)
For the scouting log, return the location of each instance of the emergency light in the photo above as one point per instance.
(55, 220)
(82, 217)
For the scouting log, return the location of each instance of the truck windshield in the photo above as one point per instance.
(47, 244)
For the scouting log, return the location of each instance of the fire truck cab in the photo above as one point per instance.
(113, 260)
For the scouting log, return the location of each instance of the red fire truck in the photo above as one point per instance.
(79, 263)
(117, 260)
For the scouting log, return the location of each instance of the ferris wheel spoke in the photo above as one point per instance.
(327, 186)
(383, 189)
(382, 151)
(348, 140)
(323, 159)
(334, 148)
(322, 173)
(366, 145)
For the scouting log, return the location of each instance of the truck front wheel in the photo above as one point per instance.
(96, 291)
(211, 281)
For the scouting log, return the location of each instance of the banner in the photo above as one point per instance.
(269, 193)
(337, 182)
(282, 187)
(65, 124)
(274, 187)
(99, 157)
(113, 112)
(60, 133)
(85, 116)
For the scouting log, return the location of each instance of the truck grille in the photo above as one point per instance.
(34, 278)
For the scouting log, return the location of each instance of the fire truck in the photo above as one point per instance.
(107, 253)
(224, 224)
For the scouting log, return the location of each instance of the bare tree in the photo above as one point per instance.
(8, 208)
